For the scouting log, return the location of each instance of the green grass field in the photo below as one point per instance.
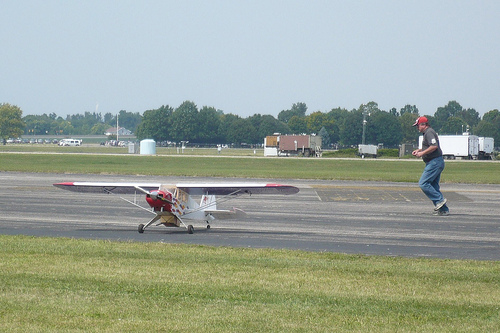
(63, 285)
(394, 170)
(69, 285)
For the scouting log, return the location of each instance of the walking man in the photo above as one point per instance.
(434, 164)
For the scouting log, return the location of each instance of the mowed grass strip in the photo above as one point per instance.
(479, 172)
(57, 284)
(97, 149)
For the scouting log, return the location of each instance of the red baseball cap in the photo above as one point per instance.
(421, 120)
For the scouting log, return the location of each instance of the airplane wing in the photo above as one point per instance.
(191, 189)
(101, 187)
(237, 188)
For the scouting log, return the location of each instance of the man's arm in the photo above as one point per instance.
(420, 152)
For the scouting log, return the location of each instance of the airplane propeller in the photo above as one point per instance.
(155, 195)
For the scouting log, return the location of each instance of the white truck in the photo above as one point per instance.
(70, 142)
(293, 145)
(271, 145)
(464, 146)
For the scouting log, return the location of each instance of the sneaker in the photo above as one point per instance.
(440, 204)
(441, 213)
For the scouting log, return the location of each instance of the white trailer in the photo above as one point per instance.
(486, 147)
(457, 146)
(367, 151)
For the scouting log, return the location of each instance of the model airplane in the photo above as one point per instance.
(172, 204)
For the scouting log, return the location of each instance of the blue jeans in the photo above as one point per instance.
(429, 181)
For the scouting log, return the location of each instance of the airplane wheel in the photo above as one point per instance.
(141, 228)
(190, 229)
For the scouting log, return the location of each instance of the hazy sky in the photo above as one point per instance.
(248, 57)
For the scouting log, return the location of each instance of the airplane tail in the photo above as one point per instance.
(207, 209)
(208, 202)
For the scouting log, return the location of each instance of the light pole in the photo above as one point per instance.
(117, 128)
(364, 127)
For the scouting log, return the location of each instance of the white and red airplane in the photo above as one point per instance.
(172, 204)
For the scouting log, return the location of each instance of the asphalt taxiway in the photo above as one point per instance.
(372, 218)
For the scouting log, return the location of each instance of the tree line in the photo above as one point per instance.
(209, 125)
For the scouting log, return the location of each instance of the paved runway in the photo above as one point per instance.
(373, 218)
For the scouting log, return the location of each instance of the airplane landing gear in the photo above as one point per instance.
(142, 227)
